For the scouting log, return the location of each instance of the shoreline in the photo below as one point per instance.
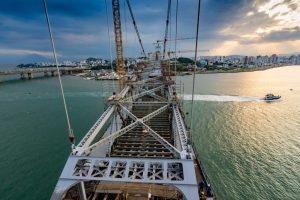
(237, 70)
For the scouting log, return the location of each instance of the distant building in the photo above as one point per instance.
(259, 61)
(293, 59)
(203, 63)
(274, 59)
(265, 59)
(251, 60)
(298, 60)
(246, 60)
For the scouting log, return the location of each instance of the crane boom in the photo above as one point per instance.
(173, 40)
(188, 51)
(118, 41)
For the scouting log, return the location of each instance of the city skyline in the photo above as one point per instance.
(238, 60)
(227, 28)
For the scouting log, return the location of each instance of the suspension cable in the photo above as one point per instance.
(125, 21)
(170, 36)
(110, 54)
(195, 66)
(166, 31)
(135, 27)
(176, 20)
(71, 136)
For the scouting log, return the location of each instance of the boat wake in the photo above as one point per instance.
(222, 98)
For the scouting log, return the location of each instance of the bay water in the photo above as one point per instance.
(250, 149)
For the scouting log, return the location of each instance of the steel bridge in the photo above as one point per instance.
(50, 71)
(146, 143)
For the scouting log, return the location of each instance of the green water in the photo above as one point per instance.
(250, 149)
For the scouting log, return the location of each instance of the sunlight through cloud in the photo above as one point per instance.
(286, 13)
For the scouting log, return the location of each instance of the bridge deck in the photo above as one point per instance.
(138, 142)
(145, 148)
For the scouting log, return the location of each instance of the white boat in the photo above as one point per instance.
(270, 97)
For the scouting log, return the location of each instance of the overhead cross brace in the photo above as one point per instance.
(154, 95)
(123, 130)
(134, 97)
(164, 142)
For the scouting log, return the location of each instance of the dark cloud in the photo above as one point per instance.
(278, 36)
(79, 26)
(31, 8)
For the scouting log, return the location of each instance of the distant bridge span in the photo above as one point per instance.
(46, 71)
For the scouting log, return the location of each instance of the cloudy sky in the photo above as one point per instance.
(248, 27)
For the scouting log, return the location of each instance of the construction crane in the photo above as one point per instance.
(118, 41)
(173, 40)
(188, 51)
(158, 42)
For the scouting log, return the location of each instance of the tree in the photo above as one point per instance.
(184, 60)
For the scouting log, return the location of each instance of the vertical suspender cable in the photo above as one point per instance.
(176, 19)
(166, 31)
(135, 27)
(71, 136)
(195, 66)
(108, 34)
(125, 21)
(170, 36)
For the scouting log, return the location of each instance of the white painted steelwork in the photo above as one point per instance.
(147, 114)
(180, 128)
(90, 136)
(177, 172)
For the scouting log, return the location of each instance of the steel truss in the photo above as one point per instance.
(177, 172)
(149, 113)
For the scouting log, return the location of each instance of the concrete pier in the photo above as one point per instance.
(30, 76)
(22, 76)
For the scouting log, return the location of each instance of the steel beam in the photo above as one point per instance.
(180, 127)
(111, 137)
(92, 133)
(155, 113)
(164, 142)
(144, 103)
(124, 92)
(134, 97)
(130, 114)
(156, 96)
(147, 80)
(124, 130)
